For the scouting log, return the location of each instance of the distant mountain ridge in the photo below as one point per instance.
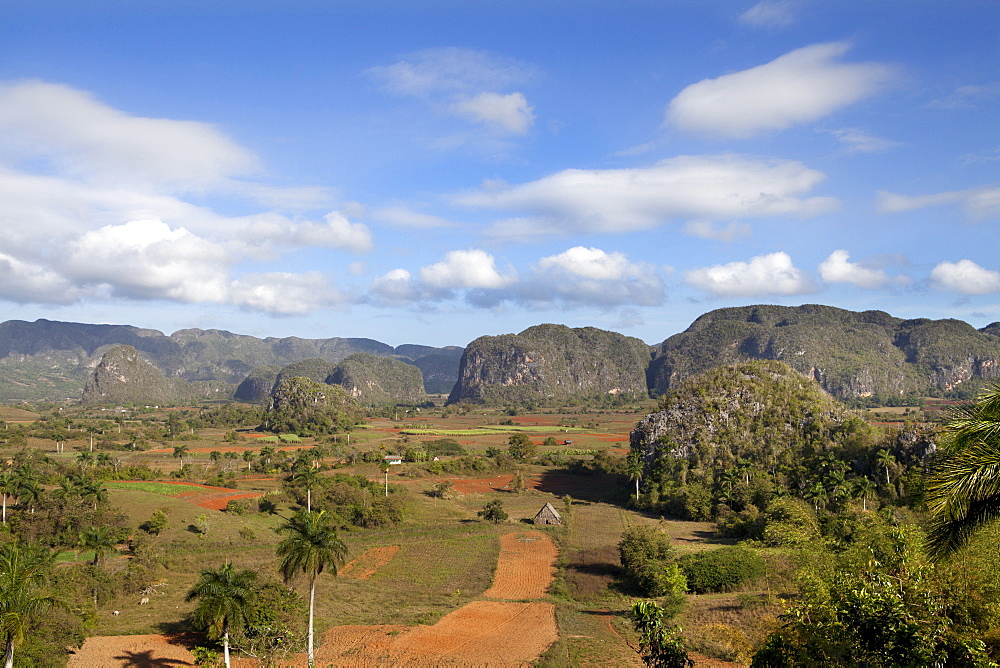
(851, 354)
(51, 361)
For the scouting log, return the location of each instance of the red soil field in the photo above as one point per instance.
(525, 567)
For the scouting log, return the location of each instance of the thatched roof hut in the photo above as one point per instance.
(548, 515)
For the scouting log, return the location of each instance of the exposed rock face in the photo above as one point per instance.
(850, 354)
(379, 380)
(123, 377)
(257, 387)
(551, 363)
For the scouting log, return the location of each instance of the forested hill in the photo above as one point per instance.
(50, 361)
(851, 354)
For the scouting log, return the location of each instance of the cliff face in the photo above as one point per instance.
(379, 380)
(551, 363)
(851, 354)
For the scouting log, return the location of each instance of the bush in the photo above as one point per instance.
(493, 512)
(790, 522)
(236, 507)
(647, 559)
(721, 570)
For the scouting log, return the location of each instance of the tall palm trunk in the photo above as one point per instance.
(312, 607)
(9, 653)
(225, 644)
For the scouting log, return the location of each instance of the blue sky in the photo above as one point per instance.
(430, 172)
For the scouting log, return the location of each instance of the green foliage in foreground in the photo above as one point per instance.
(881, 602)
(661, 645)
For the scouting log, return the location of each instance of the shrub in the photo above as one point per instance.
(236, 507)
(721, 570)
(647, 559)
(790, 522)
(493, 512)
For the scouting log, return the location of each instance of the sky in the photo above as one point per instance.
(434, 171)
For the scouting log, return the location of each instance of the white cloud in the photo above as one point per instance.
(23, 282)
(771, 14)
(509, 113)
(799, 87)
(283, 293)
(465, 269)
(838, 269)
(577, 277)
(977, 203)
(146, 259)
(624, 200)
(85, 139)
(473, 85)
(593, 277)
(591, 263)
(335, 232)
(965, 277)
(93, 203)
(772, 274)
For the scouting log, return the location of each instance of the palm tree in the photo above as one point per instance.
(22, 571)
(864, 487)
(885, 459)
(248, 457)
(308, 477)
(311, 547)
(92, 491)
(100, 539)
(963, 490)
(635, 467)
(224, 600)
(8, 487)
(180, 451)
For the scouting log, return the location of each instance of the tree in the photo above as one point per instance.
(8, 487)
(92, 491)
(885, 459)
(634, 467)
(963, 490)
(493, 512)
(311, 546)
(661, 645)
(23, 570)
(180, 451)
(248, 457)
(521, 447)
(100, 539)
(224, 598)
(307, 477)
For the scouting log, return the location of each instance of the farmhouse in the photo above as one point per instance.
(548, 515)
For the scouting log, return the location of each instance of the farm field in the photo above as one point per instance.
(409, 589)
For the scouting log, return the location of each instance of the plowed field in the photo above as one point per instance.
(525, 567)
